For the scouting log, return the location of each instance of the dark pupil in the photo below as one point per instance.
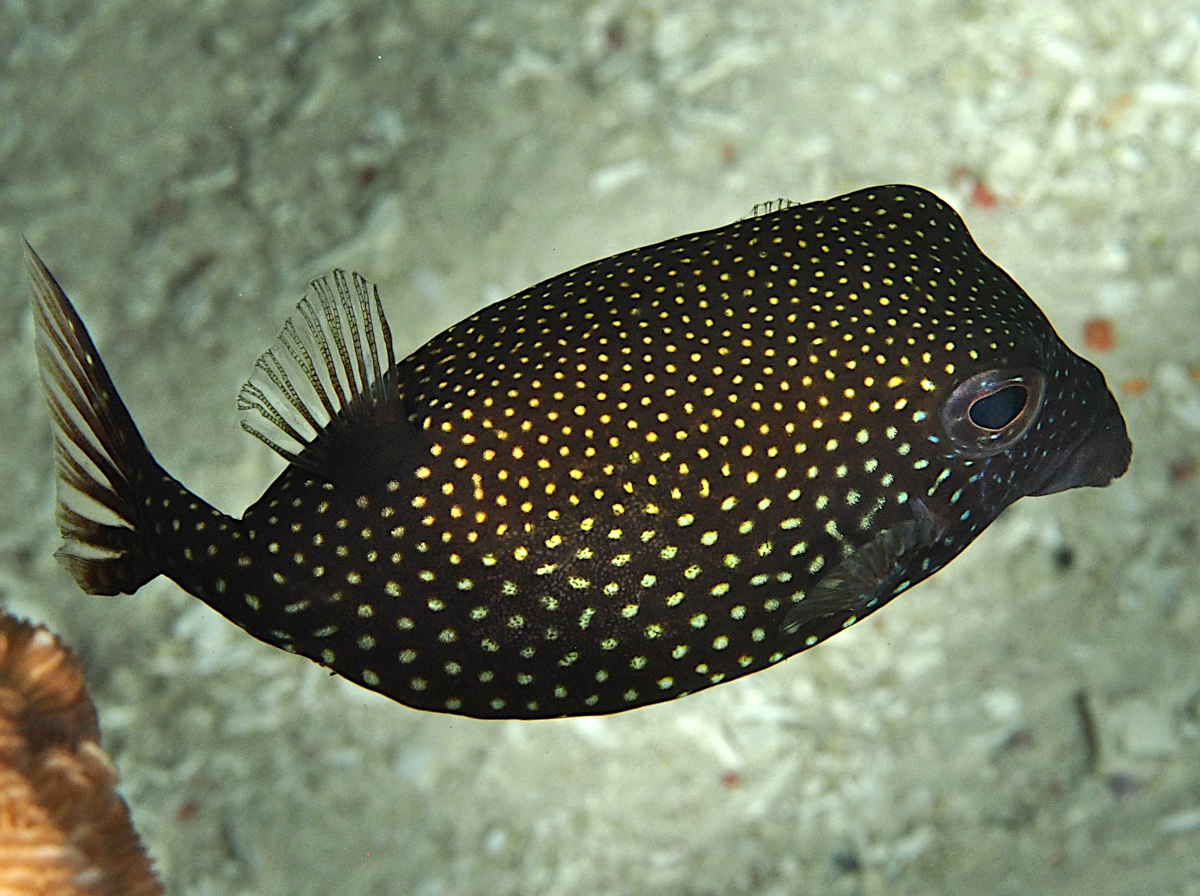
(999, 409)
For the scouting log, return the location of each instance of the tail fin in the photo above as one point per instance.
(100, 456)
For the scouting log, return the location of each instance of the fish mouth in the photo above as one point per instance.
(1102, 456)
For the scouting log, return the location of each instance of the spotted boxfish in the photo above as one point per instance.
(646, 476)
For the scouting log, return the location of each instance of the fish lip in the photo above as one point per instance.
(1100, 457)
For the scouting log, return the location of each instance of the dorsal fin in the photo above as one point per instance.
(325, 368)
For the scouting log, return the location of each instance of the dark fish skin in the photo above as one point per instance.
(643, 477)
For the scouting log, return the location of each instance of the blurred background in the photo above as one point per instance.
(1028, 721)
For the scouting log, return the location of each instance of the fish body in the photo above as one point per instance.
(648, 475)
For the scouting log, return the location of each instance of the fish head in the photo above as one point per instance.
(978, 400)
(1022, 414)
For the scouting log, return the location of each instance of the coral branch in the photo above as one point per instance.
(64, 831)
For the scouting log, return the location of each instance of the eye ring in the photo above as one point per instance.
(989, 412)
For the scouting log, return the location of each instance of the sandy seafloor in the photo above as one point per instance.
(186, 167)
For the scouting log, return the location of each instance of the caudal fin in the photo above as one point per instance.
(101, 460)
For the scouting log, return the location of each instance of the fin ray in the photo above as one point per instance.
(324, 370)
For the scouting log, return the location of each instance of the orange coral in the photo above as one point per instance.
(64, 831)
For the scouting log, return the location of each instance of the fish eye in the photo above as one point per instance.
(991, 411)
(999, 409)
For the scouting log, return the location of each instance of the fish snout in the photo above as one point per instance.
(1097, 460)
